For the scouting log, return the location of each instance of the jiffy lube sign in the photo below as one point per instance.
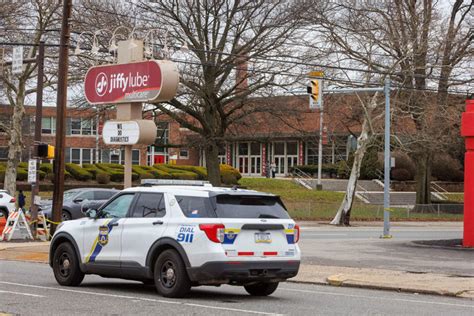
(146, 81)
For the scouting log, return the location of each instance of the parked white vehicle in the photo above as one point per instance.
(7, 203)
(181, 236)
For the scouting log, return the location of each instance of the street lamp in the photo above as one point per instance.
(95, 42)
(112, 43)
(78, 49)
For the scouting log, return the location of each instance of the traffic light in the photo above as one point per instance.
(314, 91)
(46, 151)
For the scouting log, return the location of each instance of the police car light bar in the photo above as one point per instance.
(151, 182)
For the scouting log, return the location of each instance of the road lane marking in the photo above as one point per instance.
(321, 234)
(140, 298)
(376, 297)
(18, 293)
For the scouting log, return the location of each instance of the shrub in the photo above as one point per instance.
(313, 169)
(46, 167)
(228, 178)
(200, 171)
(115, 176)
(403, 162)
(21, 174)
(23, 165)
(41, 174)
(160, 174)
(142, 172)
(102, 177)
(50, 176)
(343, 169)
(401, 174)
(229, 169)
(185, 175)
(446, 168)
(78, 173)
(92, 169)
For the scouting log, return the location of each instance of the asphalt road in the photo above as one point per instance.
(361, 247)
(30, 288)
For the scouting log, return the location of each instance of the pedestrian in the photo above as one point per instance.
(21, 199)
(274, 168)
(267, 169)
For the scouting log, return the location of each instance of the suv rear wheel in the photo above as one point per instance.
(66, 265)
(261, 289)
(171, 278)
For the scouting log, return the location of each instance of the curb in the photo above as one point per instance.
(335, 281)
(420, 244)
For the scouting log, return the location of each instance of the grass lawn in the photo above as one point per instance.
(455, 197)
(304, 204)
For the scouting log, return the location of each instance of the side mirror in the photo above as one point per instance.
(91, 213)
(78, 200)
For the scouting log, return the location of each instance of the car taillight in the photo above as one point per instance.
(297, 234)
(13, 200)
(215, 232)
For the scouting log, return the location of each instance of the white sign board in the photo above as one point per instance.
(17, 60)
(392, 162)
(121, 133)
(32, 171)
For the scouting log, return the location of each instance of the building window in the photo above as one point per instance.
(183, 154)
(48, 125)
(81, 155)
(82, 126)
(118, 156)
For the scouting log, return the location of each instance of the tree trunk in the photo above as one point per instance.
(14, 148)
(423, 178)
(211, 151)
(343, 214)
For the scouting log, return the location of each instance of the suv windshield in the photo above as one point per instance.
(250, 206)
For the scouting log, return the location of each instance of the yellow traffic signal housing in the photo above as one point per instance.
(45, 151)
(315, 90)
(50, 152)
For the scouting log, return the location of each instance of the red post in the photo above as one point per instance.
(467, 131)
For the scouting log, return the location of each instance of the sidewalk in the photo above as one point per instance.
(426, 283)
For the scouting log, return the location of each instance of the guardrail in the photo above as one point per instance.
(439, 191)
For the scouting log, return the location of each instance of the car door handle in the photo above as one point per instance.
(113, 224)
(158, 223)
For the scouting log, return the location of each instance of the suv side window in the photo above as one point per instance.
(195, 206)
(87, 195)
(103, 195)
(119, 206)
(149, 205)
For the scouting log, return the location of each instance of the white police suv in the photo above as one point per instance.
(178, 236)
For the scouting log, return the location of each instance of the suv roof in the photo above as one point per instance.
(196, 190)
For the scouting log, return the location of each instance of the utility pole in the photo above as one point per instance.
(39, 115)
(61, 116)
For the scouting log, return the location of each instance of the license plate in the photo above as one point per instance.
(263, 238)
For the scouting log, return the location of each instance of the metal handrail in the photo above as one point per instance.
(303, 178)
(440, 191)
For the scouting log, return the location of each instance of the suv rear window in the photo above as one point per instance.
(195, 206)
(250, 206)
(233, 206)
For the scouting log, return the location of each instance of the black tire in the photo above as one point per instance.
(4, 213)
(66, 266)
(261, 289)
(171, 278)
(65, 216)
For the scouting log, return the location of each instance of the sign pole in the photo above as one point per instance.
(386, 189)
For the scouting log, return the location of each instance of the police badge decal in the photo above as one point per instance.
(103, 235)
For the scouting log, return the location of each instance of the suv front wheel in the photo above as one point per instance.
(171, 278)
(261, 289)
(66, 265)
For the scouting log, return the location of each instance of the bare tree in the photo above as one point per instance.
(429, 50)
(28, 23)
(227, 40)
